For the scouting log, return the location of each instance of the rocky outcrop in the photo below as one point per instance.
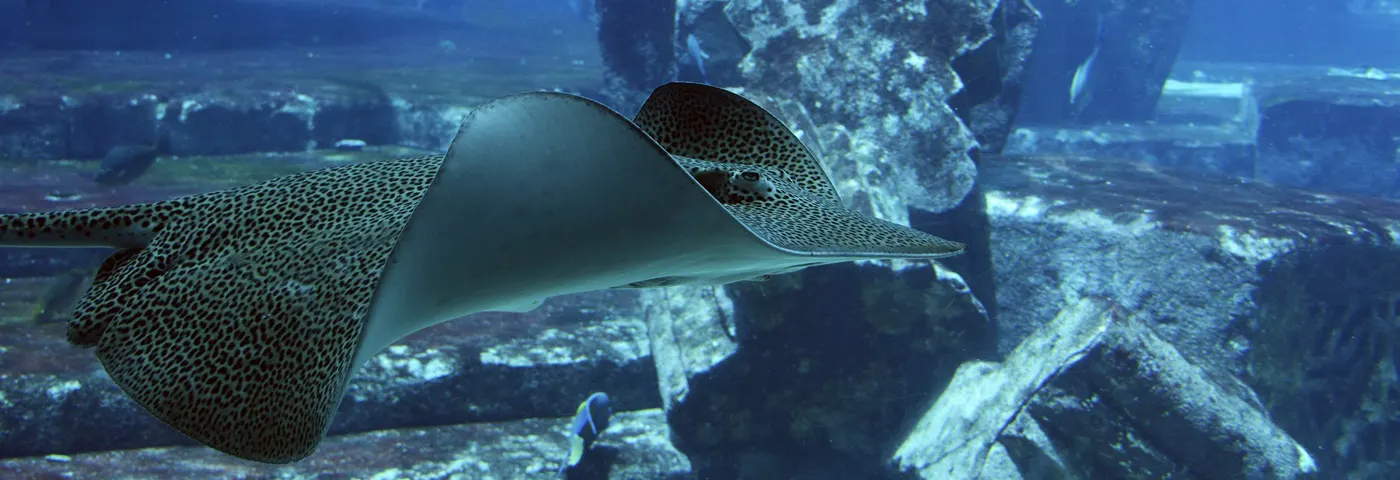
(875, 78)
(77, 105)
(1096, 394)
(211, 119)
(1292, 291)
(1314, 127)
(1331, 131)
(1203, 126)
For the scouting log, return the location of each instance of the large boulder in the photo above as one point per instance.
(1096, 394)
(1292, 291)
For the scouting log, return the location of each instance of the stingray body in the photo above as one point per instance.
(238, 316)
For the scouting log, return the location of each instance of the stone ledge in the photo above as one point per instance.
(80, 104)
(634, 446)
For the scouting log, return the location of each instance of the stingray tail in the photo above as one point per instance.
(130, 226)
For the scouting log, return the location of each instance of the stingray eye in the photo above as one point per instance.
(750, 176)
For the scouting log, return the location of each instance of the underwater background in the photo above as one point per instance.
(1181, 216)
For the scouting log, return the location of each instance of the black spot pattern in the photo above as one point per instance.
(237, 318)
(718, 135)
(700, 121)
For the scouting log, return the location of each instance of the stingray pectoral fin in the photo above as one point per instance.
(238, 322)
(112, 281)
(546, 194)
(813, 227)
(520, 306)
(243, 377)
(704, 122)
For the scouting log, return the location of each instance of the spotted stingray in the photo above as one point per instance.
(238, 316)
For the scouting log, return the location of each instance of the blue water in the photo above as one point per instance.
(1224, 172)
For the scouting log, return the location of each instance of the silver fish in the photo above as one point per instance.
(1081, 74)
(692, 45)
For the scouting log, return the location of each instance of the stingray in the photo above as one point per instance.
(238, 316)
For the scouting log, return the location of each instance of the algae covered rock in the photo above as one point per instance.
(1096, 394)
(813, 372)
(1289, 290)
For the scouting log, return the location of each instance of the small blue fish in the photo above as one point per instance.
(1081, 74)
(692, 45)
(590, 420)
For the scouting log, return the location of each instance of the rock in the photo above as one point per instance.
(724, 44)
(633, 447)
(486, 367)
(1320, 128)
(994, 74)
(637, 41)
(953, 437)
(808, 373)
(77, 105)
(1096, 394)
(1292, 291)
(1161, 416)
(1207, 127)
(876, 78)
(212, 119)
(1331, 132)
(872, 84)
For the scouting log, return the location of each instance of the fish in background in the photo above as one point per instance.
(590, 420)
(1081, 74)
(126, 163)
(585, 9)
(692, 46)
(58, 300)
